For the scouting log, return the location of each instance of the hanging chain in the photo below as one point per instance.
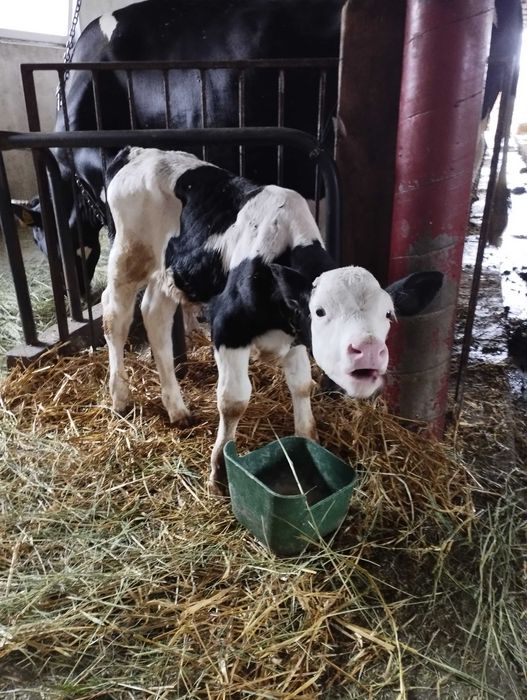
(69, 48)
(90, 201)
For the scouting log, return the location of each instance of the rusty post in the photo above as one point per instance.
(445, 54)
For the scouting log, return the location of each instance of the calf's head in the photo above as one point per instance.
(349, 315)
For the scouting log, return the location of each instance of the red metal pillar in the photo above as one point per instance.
(445, 53)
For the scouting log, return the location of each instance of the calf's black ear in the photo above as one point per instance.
(28, 213)
(294, 288)
(413, 293)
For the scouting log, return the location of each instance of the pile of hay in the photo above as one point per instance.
(124, 577)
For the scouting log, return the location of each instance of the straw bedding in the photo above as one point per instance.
(124, 577)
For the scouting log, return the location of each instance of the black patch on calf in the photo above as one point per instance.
(310, 260)
(120, 160)
(252, 304)
(212, 199)
(198, 273)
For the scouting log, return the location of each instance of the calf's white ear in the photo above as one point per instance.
(413, 293)
(293, 287)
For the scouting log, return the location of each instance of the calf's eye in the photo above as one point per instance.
(390, 316)
(320, 312)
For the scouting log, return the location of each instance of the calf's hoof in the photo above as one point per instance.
(218, 475)
(178, 413)
(120, 394)
(182, 418)
(121, 404)
(218, 485)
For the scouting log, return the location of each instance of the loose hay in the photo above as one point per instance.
(125, 578)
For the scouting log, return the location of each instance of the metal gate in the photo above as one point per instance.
(78, 323)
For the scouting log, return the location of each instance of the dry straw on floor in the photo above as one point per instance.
(125, 578)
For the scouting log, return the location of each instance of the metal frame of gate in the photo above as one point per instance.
(85, 323)
(57, 230)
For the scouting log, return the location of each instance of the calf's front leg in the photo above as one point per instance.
(297, 370)
(233, 394)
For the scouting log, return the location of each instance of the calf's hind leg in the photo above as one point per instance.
(158, 315)
(118, 309)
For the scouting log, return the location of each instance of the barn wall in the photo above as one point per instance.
(12, 106)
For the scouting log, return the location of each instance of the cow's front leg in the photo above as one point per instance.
(297, 370)
(233, 392)
(158, 310)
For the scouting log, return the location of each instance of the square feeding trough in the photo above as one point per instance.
(289, 492)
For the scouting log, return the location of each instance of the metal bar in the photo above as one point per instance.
(241, 118)
(30, 96)
(167, 99)
(180, 138)
(130, 95)
(64, 235)
(64, 106)
(50, 233)
(203, 102)
(320, 125)
(16, 261)
(325, 62)
(280, 123)
(97, 98)
(483, 238)
(111, 138)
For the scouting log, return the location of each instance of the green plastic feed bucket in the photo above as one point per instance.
(266, 499)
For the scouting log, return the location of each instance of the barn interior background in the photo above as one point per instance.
(417, 563)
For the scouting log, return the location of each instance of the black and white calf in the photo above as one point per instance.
(191, 232)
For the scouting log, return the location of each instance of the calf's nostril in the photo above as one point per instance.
(352, 350)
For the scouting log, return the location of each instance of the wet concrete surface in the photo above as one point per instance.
(500, 329)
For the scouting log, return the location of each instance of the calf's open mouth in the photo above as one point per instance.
(364, 374)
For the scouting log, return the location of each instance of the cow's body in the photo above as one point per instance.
(191, 232)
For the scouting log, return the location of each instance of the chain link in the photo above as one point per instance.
(68, 53)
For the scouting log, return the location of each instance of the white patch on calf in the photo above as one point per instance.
(273, 344)
(107, 24)
(141, 197)
(349, 326)
(272, 221)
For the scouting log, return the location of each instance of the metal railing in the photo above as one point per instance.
(242, 72)
(55, 223)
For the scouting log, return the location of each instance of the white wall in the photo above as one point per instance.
(19, 164)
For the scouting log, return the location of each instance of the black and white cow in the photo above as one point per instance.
(193, 30)
(191, 232)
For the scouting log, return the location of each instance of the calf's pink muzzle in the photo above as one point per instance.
(368, 358)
